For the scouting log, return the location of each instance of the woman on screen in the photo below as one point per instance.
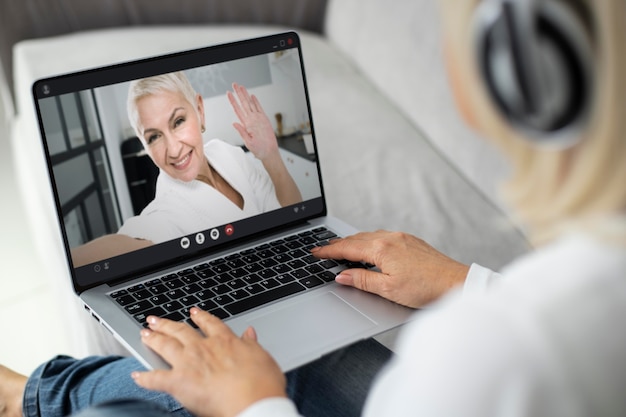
(200, 185)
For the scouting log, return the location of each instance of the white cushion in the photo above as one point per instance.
(397, 45)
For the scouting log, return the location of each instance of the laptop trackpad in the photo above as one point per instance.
(304, 328)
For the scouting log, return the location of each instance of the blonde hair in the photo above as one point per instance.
(175, 82)
(552, 191)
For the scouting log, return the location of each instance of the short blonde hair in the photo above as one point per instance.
(176, 82)
(552, 191)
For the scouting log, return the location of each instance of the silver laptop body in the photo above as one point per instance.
(100, 178)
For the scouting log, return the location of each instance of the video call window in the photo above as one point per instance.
(105, 177)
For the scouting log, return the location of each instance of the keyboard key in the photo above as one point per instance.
(328, 263)
(282, 268)
(223, 299)
(298, 253)
(306, 241)
(235, 263)
(283, 257)
(191, 289)
(207, 283)
(270, 283)
(285, 278)
(125, 300)
(159, 299)
(232, 257)
(265, 253)
(326, 276)
(189, 301)
(207, 273)
(280, 249)
(221, 268)
(310, 259)
(142, 295)
(191, 279)
(311, 282)
(207, 305)
(175, 283)
(170, 277)
(139, 307)
(184, 272)
(296, 263)
(251, 258)
(135, 288)
(267, 273)
(158, 289)
(255, 288)
(175, 316)
(326, 235)
(314, 269)
(264, 297)
(175, 294)
(201, 267)
(219, 261)
(300, 273)
(172, 306)
(219, 313)
(251, 268)
(156, 311)
(267, 263)
(238, 294)
(252, 279)
(293, 245)
(221, 289)
(223, 278)
(236, 284)
(119, 293)
(239, 272)
(205, 295)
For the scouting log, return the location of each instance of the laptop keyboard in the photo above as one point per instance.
(235, 283)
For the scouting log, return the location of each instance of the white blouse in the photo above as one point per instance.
(181, 208)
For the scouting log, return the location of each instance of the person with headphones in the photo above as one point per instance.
(543, 79)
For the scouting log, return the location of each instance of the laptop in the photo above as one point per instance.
(247, 267)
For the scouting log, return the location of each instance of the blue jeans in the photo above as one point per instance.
(335, 385)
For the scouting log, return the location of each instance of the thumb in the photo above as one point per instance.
(363, 279)
(157, 380)
(249, 334)
(242, 131)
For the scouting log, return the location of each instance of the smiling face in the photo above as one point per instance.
(171, 133)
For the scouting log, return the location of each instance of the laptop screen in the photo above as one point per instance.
(154, 162)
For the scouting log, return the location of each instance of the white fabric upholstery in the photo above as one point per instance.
(398, 47)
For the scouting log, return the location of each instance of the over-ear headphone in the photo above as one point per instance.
(536, 59)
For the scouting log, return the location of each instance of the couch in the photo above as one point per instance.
(394, 152)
